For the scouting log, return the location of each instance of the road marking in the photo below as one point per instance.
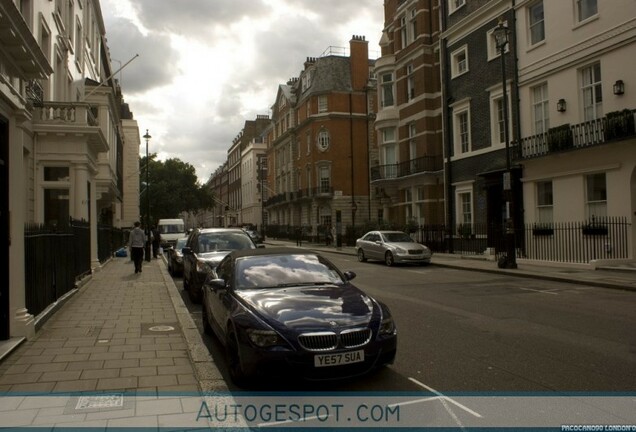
(539, 291)
(446, 398)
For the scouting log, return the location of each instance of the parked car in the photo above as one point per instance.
(391, 247)
(292, 312)
(254, 235)
(204, 249)
(175, 257)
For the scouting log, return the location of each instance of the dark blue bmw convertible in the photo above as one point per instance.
(291, 311)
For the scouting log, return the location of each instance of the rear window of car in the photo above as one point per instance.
(211, 242)
(171, 229)
(272, 271)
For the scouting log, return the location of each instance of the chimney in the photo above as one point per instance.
(310, 61)
(359, 48)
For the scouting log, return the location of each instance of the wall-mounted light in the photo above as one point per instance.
(619, 87)
(561, 105)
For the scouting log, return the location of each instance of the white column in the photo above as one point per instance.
(22, 322)
(95, 265)
(81, 206)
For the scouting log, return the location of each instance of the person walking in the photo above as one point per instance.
(156, 241)
(136, 243)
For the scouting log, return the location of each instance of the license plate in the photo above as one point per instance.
(324, 360)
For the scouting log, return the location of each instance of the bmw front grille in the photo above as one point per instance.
(326, 341)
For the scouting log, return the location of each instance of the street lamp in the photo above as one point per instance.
(501, 37)
(147, 252)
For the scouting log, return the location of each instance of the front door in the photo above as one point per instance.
(4, 229)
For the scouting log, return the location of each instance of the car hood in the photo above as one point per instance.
(406, 245)
(311, 308)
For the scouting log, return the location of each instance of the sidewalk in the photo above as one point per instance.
(120, 332)
(617, 277)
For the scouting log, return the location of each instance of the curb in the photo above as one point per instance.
(208, 375)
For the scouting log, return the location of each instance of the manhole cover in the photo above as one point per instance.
(100, 402)
(161, 328)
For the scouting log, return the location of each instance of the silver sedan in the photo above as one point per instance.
(391, 247)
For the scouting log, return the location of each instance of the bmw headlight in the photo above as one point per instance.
(264, 338)
(387, 327)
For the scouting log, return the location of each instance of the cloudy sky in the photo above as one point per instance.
(206, 66)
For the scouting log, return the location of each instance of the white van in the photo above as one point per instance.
(171, 230)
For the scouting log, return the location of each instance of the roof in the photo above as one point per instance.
(271, 251)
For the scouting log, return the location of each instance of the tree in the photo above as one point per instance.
(173, 189)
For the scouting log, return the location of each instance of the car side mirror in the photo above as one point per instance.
(349, 275)
(216, 284)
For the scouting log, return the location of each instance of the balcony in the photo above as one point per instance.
(615, 126)
(425, 164)
(70, 118)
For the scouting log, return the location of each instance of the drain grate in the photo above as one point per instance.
(100, 402)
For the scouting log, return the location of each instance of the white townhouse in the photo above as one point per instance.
(61, 137)
(577, 98)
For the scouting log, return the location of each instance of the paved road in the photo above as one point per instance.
(470, 331)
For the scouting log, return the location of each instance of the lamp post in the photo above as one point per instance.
(147, 251)
(501, 37)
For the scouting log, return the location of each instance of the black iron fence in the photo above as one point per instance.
(568, 242)
(56, 257)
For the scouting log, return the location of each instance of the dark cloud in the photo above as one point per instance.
(195, 17)
(155, 66)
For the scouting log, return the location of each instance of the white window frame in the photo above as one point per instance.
(461, 191)
(387, 87)
(459, 67)
(540, 103)
(591, 86)
(595, 207)
(497, 136)
(403, 33)
(323, 141)
(458, 110)
(322, 104)
(389, 153)
(581, 6)
(536, 25)
(410, 82)
(455, 5)
(545, 202)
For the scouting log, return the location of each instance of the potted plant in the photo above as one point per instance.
(619, 124)
(560, 138)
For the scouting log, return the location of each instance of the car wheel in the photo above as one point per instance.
(206, 323)
(361, 256)
(388, 259)
(237, 374)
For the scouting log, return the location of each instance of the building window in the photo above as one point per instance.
(387, 90)
(545, 203)
(453, 5)
(308, 138)
(459, 62)
(325, 216)
(536, 23)
(413, 25)
(389, 152)
(78, 43)
(464, 207)
(324, 178)
(596, 196)
(410, 83)
(461, 130)
(540, 112)
(403, 32)
(323, 140)
(56, 195)
(586, 9)
(322, 104)
(592, 92)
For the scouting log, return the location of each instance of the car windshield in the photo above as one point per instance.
(279, 271)
(397, 237)
(171, 229)
(224, 241)
(181, 243)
